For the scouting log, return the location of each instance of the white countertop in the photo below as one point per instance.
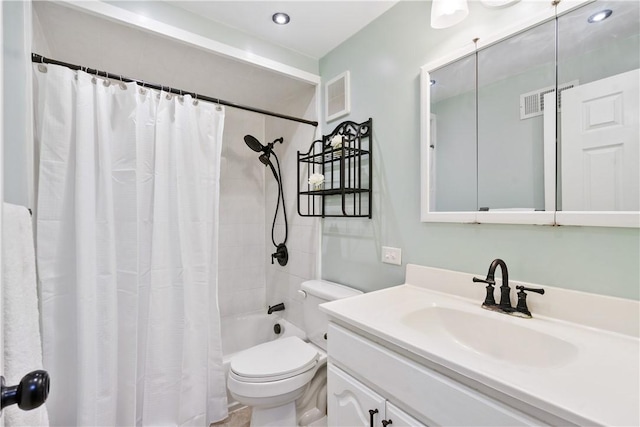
(597, 382)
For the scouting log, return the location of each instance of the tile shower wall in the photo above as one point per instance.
(248, 282)
(283, 283)
(242, 257)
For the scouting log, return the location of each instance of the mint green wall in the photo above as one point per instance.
(180, 18)
(384, 60)
(16, 102)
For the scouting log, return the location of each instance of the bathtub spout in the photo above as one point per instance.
(277, 307)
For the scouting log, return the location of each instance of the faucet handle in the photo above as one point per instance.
(536, 290)
(489, 300)
(522, 308)
(489, 281)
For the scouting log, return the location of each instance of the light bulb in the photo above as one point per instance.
(446, 13)
(280, 18)
(599, 16)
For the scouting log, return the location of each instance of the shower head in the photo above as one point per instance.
(254, 144)
(266, 150)
(264, 158)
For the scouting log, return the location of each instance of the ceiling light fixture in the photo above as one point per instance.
(600, 16)
(446, 13)
(280, 18)
(498, 3)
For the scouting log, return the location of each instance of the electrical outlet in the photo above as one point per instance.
(392, 255)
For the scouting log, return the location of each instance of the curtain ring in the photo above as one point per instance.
(41, 67)
(218, 107)
(195, 99)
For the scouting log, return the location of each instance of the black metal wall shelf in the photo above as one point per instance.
(343, 158)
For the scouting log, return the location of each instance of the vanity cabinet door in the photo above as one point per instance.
(350, 401)
(399, 418)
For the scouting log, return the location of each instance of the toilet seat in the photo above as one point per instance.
(274, 361)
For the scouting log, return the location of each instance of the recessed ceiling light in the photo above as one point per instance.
(600, 16)
(280, 18)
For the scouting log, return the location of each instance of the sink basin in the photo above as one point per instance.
(486, 334)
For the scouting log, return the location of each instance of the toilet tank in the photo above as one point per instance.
(318, 292)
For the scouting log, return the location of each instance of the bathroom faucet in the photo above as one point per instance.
(277, 307)
(505, 299)
(489, 303)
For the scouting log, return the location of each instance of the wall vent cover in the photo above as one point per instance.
(532, 103)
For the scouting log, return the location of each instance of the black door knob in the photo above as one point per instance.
(29, 394)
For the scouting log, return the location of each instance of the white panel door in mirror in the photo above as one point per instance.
(600, 145)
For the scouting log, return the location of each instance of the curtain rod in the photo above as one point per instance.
(41, 59)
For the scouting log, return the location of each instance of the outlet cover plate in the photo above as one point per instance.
(392, 255)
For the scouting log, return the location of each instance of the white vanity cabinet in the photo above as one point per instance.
(429, 349)
(392, 379)
(400, 418)
(351, 403)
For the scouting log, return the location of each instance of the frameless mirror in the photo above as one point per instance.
(513, 76)
(598, 118)
(452, 122)
(548, 137)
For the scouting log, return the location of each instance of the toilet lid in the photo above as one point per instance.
(275, 360)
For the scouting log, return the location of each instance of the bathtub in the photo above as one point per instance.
(247, 330)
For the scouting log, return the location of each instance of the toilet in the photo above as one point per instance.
(270, 377)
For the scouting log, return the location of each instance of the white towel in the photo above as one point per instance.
(20, 316)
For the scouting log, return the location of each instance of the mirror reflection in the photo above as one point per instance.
(453, 160)
(544, 120)
(513, 76)
(598, 132)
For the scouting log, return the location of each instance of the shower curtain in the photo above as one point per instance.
(126, 235)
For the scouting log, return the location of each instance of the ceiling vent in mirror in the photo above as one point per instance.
(532, 103)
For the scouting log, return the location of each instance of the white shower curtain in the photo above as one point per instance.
(126, 235)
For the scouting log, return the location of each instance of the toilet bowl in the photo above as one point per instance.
(270, 377)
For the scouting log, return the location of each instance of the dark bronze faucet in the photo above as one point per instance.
(505, 299)
(277, 307)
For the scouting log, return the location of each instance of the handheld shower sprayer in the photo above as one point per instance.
(281, 254)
